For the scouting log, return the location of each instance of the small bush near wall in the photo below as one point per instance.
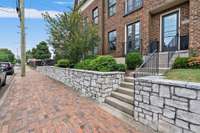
(194, 62)
(101, 63)
(187, 62)
(64, 63)
(181, 62)
(133, 60)
(85, 64)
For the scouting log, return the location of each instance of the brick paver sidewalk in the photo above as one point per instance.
(37, 104)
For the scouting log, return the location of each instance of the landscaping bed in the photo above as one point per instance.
(185, 69)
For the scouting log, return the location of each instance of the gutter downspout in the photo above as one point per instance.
(102, 27)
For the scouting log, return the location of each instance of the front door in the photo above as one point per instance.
(170, 31)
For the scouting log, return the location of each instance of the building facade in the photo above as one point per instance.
(143, 25)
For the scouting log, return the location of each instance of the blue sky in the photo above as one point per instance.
(35, 25)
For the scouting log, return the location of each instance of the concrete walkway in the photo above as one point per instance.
(37, 104)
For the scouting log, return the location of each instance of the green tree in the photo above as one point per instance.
(33, 52)
(71, 36)
(6, 55)
(29, 54)
(41, 51)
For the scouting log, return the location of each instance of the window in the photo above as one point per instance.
(132, 5)
(111, 7)
(112, 40)
(95, 16)
(133, 37)
(85, 23)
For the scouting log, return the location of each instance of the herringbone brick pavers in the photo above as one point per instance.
(38, 104)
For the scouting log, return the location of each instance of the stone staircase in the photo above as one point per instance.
(122, 98)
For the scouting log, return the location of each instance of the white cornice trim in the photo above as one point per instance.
(86, 4)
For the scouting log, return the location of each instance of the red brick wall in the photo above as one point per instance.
(150, 23)
(118, 22)
(88, 13)
(184, 24)
(195, 24)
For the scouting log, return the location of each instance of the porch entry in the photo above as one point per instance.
(133, 34)
(170, 31)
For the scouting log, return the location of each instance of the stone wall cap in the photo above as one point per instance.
(161, 80)
(86, 71)
(97, 72)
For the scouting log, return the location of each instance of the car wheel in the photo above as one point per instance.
(4, 82)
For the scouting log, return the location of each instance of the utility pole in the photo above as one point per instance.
(21, 14)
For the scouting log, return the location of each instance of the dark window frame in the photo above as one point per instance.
(111, 42)
(95, 17)
(163, 49)
(112, 6)
(134, 8)
(140, 34)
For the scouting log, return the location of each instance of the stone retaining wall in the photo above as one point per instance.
(96, 85)
(168, 106)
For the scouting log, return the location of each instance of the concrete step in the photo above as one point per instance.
(120, 105)
(127, 85)
(123, 97)
(129, 79)
(126, 91)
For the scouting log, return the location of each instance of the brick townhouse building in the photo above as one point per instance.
(128, 25)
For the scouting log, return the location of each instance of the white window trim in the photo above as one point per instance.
(179, 25)
(126, 34)
(86, 4)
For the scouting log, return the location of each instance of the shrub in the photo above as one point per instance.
(120, 67)
(101, 63)
(64, 63)
(181, 62)
(85, 64)
(194, 62)
(133, 60)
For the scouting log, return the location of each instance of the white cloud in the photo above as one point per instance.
(63, 2)
(60, 2)
(29, 13)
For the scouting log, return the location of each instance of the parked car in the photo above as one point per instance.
(2, 77)
(8, 67)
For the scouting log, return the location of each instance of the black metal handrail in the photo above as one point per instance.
(172, 48)
(149, 67)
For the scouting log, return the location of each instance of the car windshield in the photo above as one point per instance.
(4, 64)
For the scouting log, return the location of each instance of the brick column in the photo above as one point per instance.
(145, 27)
(194, 32)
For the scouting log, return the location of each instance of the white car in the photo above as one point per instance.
(2, 77)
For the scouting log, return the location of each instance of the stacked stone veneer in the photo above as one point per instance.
(96, 85)
(168, 106)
